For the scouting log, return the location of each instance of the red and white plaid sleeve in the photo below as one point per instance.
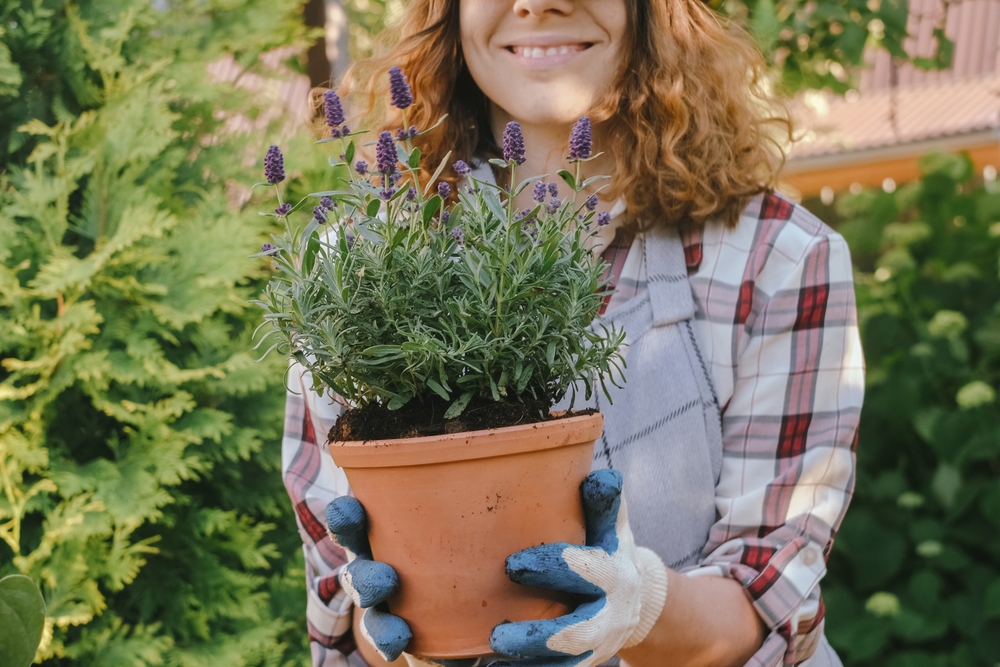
(776, 307)
(312, 481)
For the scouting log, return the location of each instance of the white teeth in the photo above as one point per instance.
(538, 52)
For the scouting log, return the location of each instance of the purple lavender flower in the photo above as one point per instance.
(591, 203)
(513, 143)
(269, 249)
(274, 165)
(326, 203)
(334, 110)
(350, 240)
(444, 189)
(461, 168)
(282, 210)
(538, 192)
(458, 234)
(603, 218)
(320, 214)
(385, 154)
(553, 190)
(405, 134)
(554, 205)
(361, 167)
(411, 194)
(445, 217)
(399, 89)
(581, 141)
(344, 131)
(394, 177)
(387, 193)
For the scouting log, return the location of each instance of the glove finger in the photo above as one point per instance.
(545, 566)
(565, 661)
(369, 582)
(530, 639)
(389, 634)
(601, 492)
(348, 525)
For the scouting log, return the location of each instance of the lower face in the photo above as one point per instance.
(543, 62)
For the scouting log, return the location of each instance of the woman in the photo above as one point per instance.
(736, 429)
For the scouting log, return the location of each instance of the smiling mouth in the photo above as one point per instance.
(548, 51)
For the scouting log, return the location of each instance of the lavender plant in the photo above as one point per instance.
(394, 292)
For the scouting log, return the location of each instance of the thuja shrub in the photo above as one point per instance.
(139, 465)
(915, 574)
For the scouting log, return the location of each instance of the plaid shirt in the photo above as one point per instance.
(776, 321)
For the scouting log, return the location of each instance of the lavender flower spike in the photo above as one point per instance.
(581, 141)
(284, 209)
(513, 143)
(326, 203)
(361, 167)
(592, 203)
(553, 190)
(274, 165)
(269, 249)
(385, 154)
(603, 219)
(461, 168)
(320, 214)
(458, 234)
(334, 110)
(399, 89)
(444, 189)
(538, 192)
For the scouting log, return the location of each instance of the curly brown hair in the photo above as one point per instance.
(697, 131)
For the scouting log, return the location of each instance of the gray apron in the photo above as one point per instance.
(662, 428)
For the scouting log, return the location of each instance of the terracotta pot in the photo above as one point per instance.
(446, 511)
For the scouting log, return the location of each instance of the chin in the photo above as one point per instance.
(547, 110)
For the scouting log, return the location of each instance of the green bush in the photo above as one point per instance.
(915, 574)
(138, 438)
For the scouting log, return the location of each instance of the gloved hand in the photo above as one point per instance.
(623, 588)
(370, 583)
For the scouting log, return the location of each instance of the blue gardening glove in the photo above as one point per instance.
(370, 583)
(623, 588)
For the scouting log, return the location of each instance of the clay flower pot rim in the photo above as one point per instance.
(467, 445)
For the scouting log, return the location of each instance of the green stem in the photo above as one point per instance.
(579, 187)
(406, 128)
(350, 171)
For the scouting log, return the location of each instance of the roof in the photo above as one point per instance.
(963, 101)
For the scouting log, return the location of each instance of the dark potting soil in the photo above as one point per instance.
(416, 419)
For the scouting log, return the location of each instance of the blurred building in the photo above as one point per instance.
(876, 135)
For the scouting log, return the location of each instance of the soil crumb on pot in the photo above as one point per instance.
(416, 419)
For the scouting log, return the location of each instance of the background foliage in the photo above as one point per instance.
(136, 485)
(915, 572)
(132, 422)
